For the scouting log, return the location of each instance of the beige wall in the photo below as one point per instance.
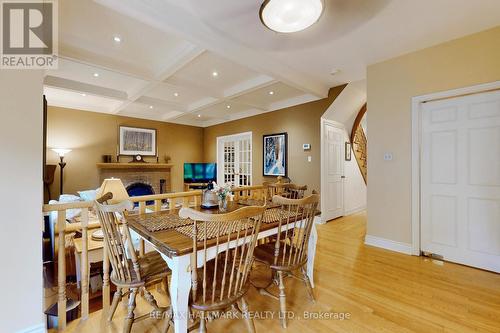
(459, 63)
(91, 135)
(21, 192)
(301, 122)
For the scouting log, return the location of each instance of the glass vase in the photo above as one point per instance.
(223, 204)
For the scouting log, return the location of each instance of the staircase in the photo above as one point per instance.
(359, 143)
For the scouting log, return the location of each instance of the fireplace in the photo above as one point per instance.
(139, 178)
(139, 189)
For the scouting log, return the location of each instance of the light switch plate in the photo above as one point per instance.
(309, 158)
(387, 156)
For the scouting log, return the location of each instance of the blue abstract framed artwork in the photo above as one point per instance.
(275, 159)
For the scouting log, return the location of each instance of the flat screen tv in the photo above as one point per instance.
(200, 172)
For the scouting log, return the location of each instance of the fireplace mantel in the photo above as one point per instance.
(134, 165)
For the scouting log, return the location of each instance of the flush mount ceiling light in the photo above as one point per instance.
(290, 15)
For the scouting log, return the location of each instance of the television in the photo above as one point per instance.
(200, 172)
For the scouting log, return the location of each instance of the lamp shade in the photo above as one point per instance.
(61, 151)
(115, 186)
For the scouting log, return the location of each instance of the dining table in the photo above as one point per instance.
(170, 235)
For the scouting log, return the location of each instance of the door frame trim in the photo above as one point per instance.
(322, 158)
(219, 139)
(416, 138)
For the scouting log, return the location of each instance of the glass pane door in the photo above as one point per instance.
(234, 159)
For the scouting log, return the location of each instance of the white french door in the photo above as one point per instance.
(332, 189)
(460, 179)
(234, 159)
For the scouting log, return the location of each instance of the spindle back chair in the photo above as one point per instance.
(288, 251)
(129, 271)
(222, 281)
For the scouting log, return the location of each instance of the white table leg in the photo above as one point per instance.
(180, 286)
(311, 251)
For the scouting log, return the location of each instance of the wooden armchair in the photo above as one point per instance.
(129, 272)
(222, 281)
(288, 251)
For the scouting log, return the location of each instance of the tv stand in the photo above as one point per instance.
(194, 186)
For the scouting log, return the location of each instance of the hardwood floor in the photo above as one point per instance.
(382, 291)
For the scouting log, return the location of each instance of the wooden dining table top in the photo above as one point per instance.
(171, 242)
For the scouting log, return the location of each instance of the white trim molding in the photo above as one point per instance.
(416, 129)
(355, 210)
(40, 328)
(388, 244)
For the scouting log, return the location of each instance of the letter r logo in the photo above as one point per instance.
(27, 28)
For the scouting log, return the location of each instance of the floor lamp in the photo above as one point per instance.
(61, 152)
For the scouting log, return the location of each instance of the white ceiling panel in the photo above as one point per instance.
(174, 94)
(223, 110)
(194, 119)
(200, 73)
(265, 97)
(87, 31)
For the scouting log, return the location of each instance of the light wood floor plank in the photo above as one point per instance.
(383, 291)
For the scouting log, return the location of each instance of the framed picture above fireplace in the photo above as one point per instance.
(137, 141)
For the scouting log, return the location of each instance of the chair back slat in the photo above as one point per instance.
(294, 228)
(116, 235)
(224, 277)
(287, 190)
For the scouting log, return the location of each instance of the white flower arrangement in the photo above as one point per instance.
(222, 191)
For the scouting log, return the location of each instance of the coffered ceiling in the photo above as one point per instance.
(201, 62)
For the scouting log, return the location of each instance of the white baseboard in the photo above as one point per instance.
(355, 210)
(40, 328)
(388, 244)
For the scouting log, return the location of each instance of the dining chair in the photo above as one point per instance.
(130, 272)
(287, 253)
(223, 246)
(248, 193)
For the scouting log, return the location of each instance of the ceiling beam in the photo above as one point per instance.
(80, 87)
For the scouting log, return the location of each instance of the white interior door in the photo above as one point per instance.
(460, 180)
(234, 159)
(332, 187)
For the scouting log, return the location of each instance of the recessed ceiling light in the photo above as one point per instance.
(176, 94)
(199, 116)
(117, 39)
(96, 74)
(215, 73)
(150, 106)
(334, 71)
(290, 15)
(271, 92)
(83, 95)
(228, 106)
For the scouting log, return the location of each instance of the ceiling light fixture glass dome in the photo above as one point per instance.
(290, 15)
